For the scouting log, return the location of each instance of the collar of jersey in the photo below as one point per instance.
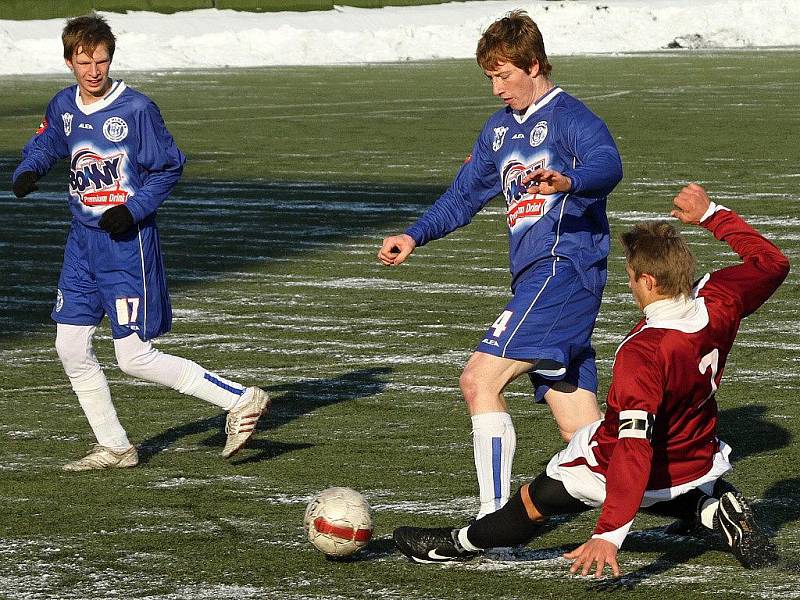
(695, 319)
(521, 118)
(116, 89)
(688, 315)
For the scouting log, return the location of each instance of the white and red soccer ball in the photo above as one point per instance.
(338, 521)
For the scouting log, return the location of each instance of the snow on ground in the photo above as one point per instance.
(220, 38)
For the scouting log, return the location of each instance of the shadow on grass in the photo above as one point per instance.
(288, 403)
(208, 230)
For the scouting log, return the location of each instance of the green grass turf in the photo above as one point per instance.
(294, 177)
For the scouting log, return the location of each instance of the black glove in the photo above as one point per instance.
(25, 184)
(116, 220)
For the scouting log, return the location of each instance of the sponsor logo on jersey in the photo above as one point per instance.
(538, 133)
(42, 127)
(59, 300)
(519, 203)
(490, 342)
(518, 136)
(67, 119)
(115, 129)
(97, 179)
(499, 138)
(85, 126)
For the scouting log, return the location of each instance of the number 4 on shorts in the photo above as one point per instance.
(501, 324)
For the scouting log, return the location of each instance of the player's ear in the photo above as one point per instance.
(534, 69)
(68, 62)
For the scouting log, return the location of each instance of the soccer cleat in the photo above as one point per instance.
(430, 545)
(241, 422)
(102, 457)
(749, 544)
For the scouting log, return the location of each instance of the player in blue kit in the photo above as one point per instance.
(123, 165)
(555, 163)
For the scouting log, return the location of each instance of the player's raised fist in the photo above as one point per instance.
(395, 249)
(691, 204)
(116, 220)
(25, 184)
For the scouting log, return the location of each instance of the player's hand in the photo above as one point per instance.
(547, 181)
(395, 249)
(116, 220)
(595, 551)
(25, 184)
(691, 204)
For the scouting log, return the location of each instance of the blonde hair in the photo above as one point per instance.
(516, 39)
(656, 248)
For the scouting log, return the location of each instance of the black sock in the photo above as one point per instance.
(509, 526)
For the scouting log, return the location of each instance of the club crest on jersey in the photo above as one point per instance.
(519, 203)
(538, 133)
(59, 300)
(67, 119)
(115, 129)
(97, 179)
(499, 138)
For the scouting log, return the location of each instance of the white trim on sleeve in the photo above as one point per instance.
(617, 536)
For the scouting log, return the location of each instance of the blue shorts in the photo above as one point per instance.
(549, 321)
(123, 278)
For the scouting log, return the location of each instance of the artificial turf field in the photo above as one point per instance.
(294, 177)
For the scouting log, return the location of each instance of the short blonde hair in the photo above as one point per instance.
(656, 248)
(516, 39)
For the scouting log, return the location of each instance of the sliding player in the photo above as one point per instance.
(657, 446)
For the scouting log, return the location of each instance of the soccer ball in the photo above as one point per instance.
(338, 521)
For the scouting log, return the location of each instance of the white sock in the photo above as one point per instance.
(494, 441)
(707, 512)
(198, 382)
(95, 400)
(464, 541)
(141, 359)
(74, 347)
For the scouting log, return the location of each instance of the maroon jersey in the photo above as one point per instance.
(659, 429)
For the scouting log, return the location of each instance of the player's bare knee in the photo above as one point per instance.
(469, 385)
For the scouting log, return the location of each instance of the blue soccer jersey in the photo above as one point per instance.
(558, 132)
(119, 150)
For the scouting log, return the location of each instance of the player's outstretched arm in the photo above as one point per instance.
(395, 249)
(24, 184)
(691, 204)
(595, 551)
(547, 181)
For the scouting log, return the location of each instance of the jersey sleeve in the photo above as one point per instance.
(476, 182)
(159, 161)
(598, 165)
(636, 394)
(764, 267)
(47, 146)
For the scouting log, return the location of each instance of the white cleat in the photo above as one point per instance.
(241, 422)
(102, 457)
